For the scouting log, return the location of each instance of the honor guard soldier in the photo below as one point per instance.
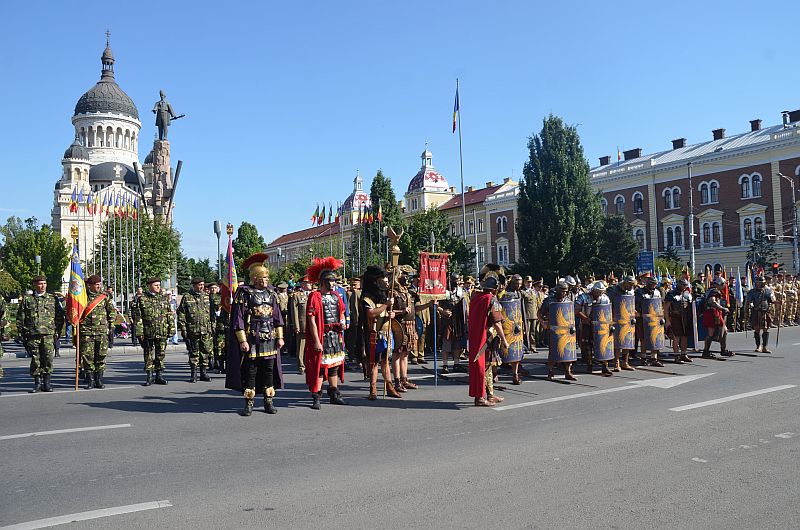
(194, 324)
(155, 323)
(257, 324)
(678, 311)
(40, 320)
(324, 340)
(485, 338)
(97, 318)
(650, 319)
(758, 302)
(219, 322)
(297, 320)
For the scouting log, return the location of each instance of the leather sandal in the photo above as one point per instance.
(481, 402)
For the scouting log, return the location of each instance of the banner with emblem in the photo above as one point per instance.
(432, 276)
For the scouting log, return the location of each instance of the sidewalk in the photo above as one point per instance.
(12, 350)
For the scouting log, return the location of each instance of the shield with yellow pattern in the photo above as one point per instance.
(513, 330)
(562, 332)
(624, 310)
(602, 336)
(652, 324)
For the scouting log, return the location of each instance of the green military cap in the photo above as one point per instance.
(94, 278)
(153, 279)
(195, 280)
(283, 285)
(39, 278)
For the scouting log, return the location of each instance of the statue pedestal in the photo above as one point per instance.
(162, 177)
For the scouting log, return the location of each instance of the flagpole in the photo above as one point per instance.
(139, 246)
(116, 247)
(461, 165)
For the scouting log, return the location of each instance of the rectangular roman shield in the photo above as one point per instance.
(562, 332)
(652, 324)
(602, 337)
(513, 330)
(624, 310)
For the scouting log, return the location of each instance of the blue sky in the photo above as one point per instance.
(284, 101)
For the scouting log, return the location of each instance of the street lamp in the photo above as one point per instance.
(795, 256)
(218, 232)
(38, 259)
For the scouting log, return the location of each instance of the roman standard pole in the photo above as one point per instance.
(461, 165)
(691, 253)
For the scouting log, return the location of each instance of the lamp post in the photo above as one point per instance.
(691, 221)
(218, 232)
(38, 259)
(795, 255)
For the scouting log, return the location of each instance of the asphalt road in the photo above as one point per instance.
(599, 453)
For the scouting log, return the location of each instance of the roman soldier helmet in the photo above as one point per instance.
(562, 286)
(599, 285)
(256, 267)
(323, 269)
(489, 276)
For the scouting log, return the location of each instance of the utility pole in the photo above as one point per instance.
(691, 220)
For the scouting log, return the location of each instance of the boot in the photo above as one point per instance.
(193, 376)
(757, 338)
(204, 376)
(269, 408)
(248, 407)
(98, 379)
(390, 390)
(568, 373)
(36, 384)
(160, 380)
(46, 383)
(335, 397)
(316, 402)
(88, 383)
(373, 393)
(606, 372)
(149, 380)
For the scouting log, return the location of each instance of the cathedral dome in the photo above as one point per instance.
(427, 178)
(112, 171)
(76, 152)
(149, 158)
(106, 96)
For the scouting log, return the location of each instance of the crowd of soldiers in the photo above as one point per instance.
(483, 327)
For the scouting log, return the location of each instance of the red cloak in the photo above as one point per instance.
(479, 306)
(312, 358)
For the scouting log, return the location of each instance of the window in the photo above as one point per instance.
(709, 192)
(750, 226)
(502, 253)
(470, 227)
(748, 230)
(619, 203)
(670, 238)
(756, 185)
(480, 226)
(638, 201)
(502, 224)
(744, 185)
(716, 230)
(481, 255)
(452, 229)
(706, 234)
(639, 236)
(704, 193)
(461, 228)
(676, 197)
(678, 237)
(759, 225)
(667, 199)
(714, 192)
(604, 206)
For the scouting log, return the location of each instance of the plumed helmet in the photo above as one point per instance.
(491, 267)
(629, 278)
(683, 282)
(490, 281)
(323, 269)
(256, 267)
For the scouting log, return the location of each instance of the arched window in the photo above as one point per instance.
(667, 199)
(619, 203)
(638, 201)
(716, 233)
(756, 185)
(639, 236)
(480, 226)
(604, 206)
(714, 187)
(748, 230)
(676, 197)
(704, 193)
(502, 224)
(678, 236)
(758, 226)
(670, 238)
(706, 233)
(717, 268)
(744, 184)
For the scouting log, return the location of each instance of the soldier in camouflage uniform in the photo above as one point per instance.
(297, 320)
(194, 323)
(153, 318)
(219, 322)
(790, 292)
(40, 320)
(97, 318)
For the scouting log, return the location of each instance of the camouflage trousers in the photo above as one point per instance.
(41, 349)
(93, 352)
(220, 352)
(154, 352)
(201, 349)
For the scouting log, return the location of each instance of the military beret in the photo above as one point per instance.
(94, 278)
(196, 280)
(528, 279)
(282, 285)
(153, 279)
(39, 278)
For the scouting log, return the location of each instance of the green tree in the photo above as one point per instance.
(618, 249)
(383, 199)
(248, 242)
(189, 268)
(559, 214)
(9, 287)
(417, 238)
(762, 251)
(23, 241)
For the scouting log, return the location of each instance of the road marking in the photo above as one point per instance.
(796, 344)
(661, 382)
(784, 435)
(695, 459)
(86, 516)
(64, 431)
(21, 394)
(731, 398)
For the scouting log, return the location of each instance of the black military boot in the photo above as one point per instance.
(248, 407)
(159, 380)
(46, 383)
(98, 380)
(193, 377)
(89, 384)
(36, 384)
(269, 408)
(316, 401)
(203, 374)
(222, 365)
(335, 396)
(149, 380)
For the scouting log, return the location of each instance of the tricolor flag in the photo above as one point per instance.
(76, 298)
(117, 209)
(230, 280)
(360, 214)
(380, 212)
(73, 201)
(455, 110)
(90, 203)
(315, 216)
(135, 208)
(322, 215)
(80, 200)
(338, 213)
(330, 213)
(739, 289)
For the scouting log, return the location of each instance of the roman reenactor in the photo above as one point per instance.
(560, 321)
(650, 320)
(324, 332)
(679, 319)
(375, 326)
(758, 302)
(485, 336)
(622, 296)
(594, 310)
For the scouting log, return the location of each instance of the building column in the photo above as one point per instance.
(776, 199)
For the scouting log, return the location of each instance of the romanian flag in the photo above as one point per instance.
(90, 203)
(619, 155)
(739, 289)
(230, 280)
(80, 200)
(361, 214)
(338, 213)
(330, 213)
(455, 110)
(315, 216)
(321, 216)
(380, 212)
(73, 201)
(104, 209)
(76, 298)
(96, 206)
(135, 211)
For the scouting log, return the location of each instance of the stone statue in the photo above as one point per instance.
(164, 115)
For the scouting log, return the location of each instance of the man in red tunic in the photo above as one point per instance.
(485, 333)
(325, 322)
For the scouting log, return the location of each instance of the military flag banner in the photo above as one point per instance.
(231, 281)
(432, 276)
(76, 298)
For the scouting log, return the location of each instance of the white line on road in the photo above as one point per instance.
(64, 431)
(86, 516)
(21, 394)
(695, 459)
(731, 398)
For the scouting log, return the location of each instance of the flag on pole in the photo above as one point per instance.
(619, 155)
(231, 281)
(455, 110)
(322, 215)
(80, 199)
(90, 203)
(360, 214)
(380, 212)
(338, 212)
(739, 289)
(135, 208)
(315, 216)
(76, 298)
(96, 208)
(73, 201)
(330, 213)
